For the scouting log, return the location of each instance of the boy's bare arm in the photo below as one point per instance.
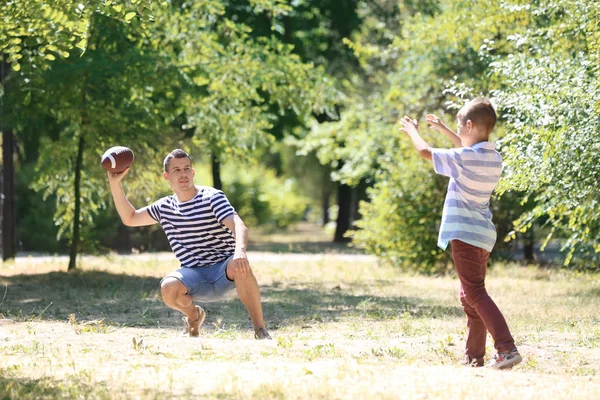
(437, 124)
(409, 126)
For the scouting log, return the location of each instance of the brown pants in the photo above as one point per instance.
(482, 313)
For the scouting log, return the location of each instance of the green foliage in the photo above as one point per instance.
(400, 222)
(37, 229)
(263, 199)
(538, 61)
(191, 68)
(37, 32)
(235, 85)
(551, 105)
(94, 110)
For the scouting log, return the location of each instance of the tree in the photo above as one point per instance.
(217, 80)
(108, 96)
(33, 33)
(238, 83)
(550, 102)
(415, 58)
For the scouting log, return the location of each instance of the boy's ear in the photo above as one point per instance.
(470, 124)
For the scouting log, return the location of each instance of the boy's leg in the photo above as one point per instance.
(476, 332)
(471, 265)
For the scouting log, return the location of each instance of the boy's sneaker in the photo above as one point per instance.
(472, 362)
(261, 334)
(505, 360)
(193, 327)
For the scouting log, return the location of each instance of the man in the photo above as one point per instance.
(208, 238)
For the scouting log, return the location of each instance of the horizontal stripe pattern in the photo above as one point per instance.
(474, 173)
(194, 228)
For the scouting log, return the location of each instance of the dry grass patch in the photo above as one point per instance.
(344, 326)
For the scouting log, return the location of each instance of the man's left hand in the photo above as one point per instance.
(240, 263)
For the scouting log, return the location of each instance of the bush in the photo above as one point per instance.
(401, 221)
(263, 199)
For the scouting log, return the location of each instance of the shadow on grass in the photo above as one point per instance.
(134, 301)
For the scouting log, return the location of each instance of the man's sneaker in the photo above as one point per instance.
(472, 362)
(193, 327)
(505, 360)
(261, 334)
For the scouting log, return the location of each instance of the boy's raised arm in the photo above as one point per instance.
(409, 126)
(437, 124)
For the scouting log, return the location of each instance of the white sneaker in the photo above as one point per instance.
(505, 360)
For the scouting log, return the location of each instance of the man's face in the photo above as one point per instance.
(181, 174)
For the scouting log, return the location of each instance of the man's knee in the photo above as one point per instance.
(170, 287)
(234, 274)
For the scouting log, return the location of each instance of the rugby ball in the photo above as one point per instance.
(117, 159)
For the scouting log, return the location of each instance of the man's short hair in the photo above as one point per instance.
(177, 153)
(481, 112)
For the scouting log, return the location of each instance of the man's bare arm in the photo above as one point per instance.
(240, 233)
(129, 215)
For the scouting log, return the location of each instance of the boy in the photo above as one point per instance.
(208, 238)
(474, 170)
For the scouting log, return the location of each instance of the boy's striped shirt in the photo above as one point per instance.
(194, 228)
(474, 174)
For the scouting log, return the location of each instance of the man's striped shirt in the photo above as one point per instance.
(194, 228)
(474, 174)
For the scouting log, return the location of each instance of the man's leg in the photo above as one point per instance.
(175, 295)
(249, 294)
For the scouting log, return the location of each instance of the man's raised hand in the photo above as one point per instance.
(117, 178)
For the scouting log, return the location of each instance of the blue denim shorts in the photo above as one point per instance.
(206, 284)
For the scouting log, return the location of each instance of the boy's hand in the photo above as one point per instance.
(409, 125)
(434, 122)
(117, 178)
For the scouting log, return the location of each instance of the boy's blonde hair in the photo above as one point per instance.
(481, 113)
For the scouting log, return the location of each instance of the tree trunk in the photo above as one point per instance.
(359, 193)
(343, 219)
(77, 212)
(77, 184)
(325, 194)
(528, 242)
(216, 170)
(9, 250)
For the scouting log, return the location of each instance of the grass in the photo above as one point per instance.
(344, 326)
